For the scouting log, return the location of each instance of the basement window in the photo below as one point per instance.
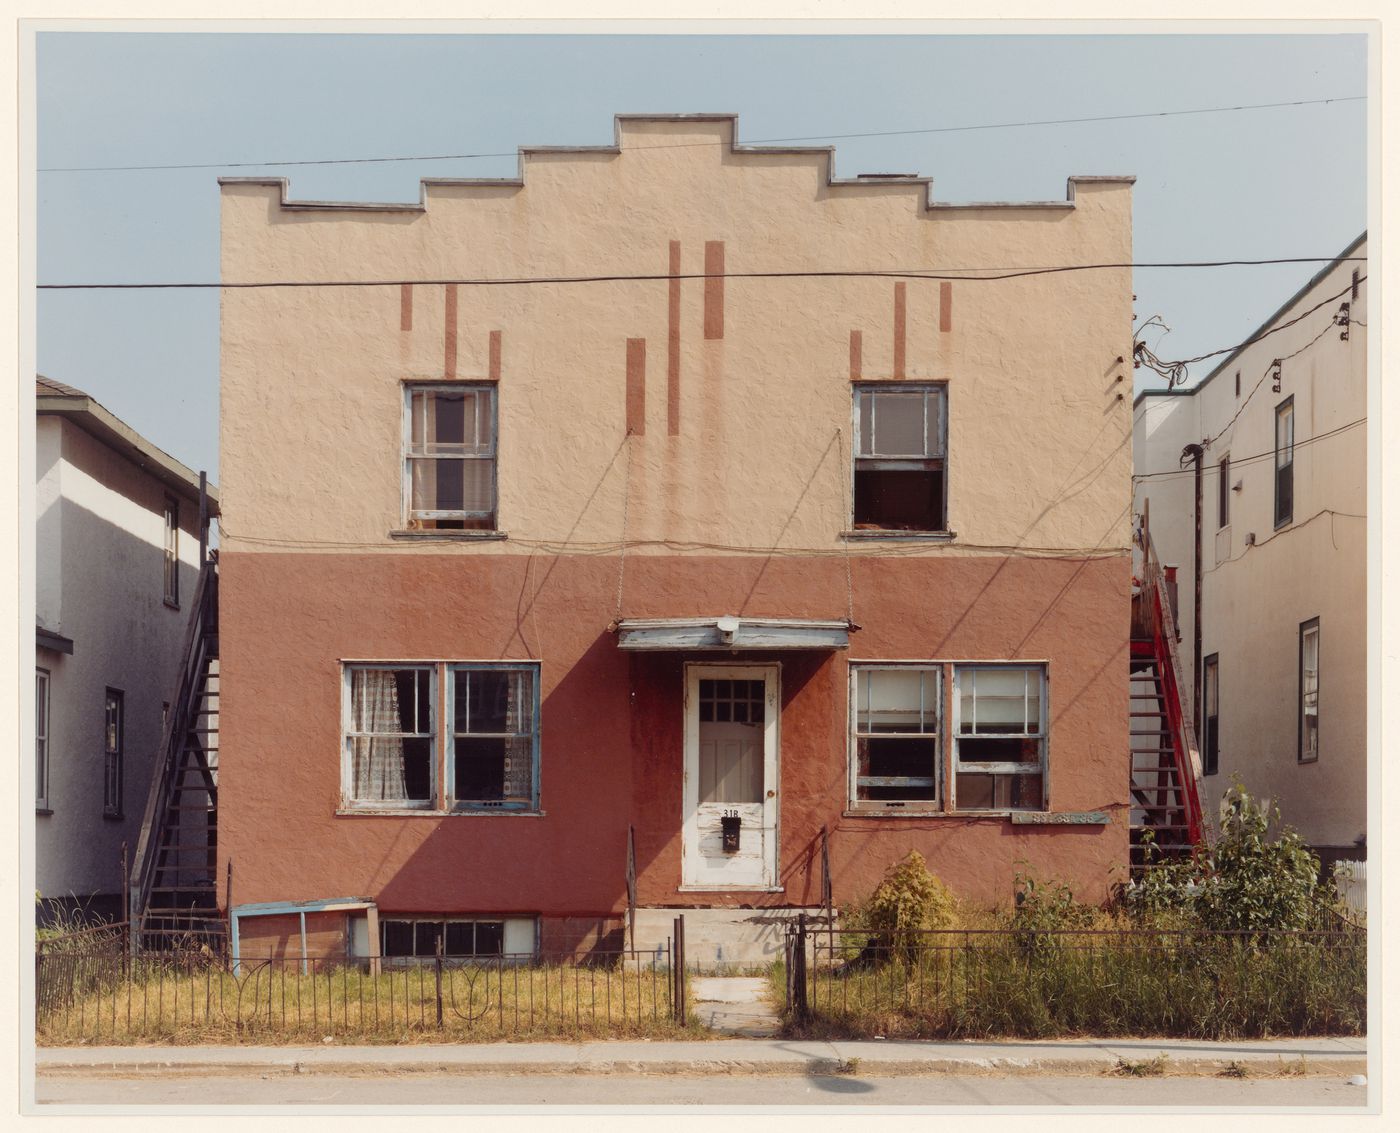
(900, 458)
(420, 939)
(450, 457)
(494, 744)
(999, 731)
(896, 713)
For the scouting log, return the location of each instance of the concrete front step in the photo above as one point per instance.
(718, 938)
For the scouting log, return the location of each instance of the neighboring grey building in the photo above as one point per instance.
(1282, 682)
(118, 557)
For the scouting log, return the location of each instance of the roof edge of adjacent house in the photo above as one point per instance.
(1292, 300)
(99, 422)
(735, 147)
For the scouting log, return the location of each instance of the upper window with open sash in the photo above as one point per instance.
(900, 457)
(450, 457)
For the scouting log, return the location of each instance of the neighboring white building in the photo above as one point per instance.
(1282, 650)
(118, 557)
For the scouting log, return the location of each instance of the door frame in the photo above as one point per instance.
(771, 672)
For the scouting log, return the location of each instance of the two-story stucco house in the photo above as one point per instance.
(679, 488)
(1278, 430)
(117, 541)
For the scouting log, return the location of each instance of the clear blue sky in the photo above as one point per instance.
(1243, 185)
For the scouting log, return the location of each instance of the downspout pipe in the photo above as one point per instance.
(1197, 454)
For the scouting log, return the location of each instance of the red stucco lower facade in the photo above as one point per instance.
(611, 725)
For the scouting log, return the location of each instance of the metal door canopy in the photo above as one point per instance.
(729, 633)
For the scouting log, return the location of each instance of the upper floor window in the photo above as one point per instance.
(450, 457)
(999, 737)
(900, 457)
(1309, 654)
(896, 725)
(172, 551)
(1283, 463)
(41, 739)
(114, 740)
(1223, 516)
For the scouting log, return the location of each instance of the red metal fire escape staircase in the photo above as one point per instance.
(173, 874)
(1165, 763)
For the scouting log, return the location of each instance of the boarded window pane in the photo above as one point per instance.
(988, 750)
(999, 792)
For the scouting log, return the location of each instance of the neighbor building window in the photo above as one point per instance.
(420, 939)
(896, 723)
(999, 737)
(450, 457)
(900, 457)
(1283, 463)
(495, 734)
(41, 739)
(1309, 653)
(390, 736)
(172, 552)
(1223, 518)
(1210, 698)
(113, 741)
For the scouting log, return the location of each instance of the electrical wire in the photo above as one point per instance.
(692, 145)
(910, 273)
(1277, 534)
(1255, 458)
(618, 546)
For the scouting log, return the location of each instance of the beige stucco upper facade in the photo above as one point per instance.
(739, 398)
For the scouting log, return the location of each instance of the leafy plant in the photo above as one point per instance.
(909, 899)
(1257, 876)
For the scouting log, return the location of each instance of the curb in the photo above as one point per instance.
(1249, 1067)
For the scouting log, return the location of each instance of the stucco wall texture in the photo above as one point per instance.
(731, 495)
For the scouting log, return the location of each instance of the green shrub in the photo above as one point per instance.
(907, 900)
(1257, 876)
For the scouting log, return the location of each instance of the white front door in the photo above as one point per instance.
(731, 777)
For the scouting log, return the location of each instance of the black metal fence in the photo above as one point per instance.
(1035, 983)
(108, 995)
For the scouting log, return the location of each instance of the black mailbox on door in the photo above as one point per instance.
(729, 826)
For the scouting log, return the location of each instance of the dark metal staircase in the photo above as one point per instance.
(173, 892)
(1164, 762)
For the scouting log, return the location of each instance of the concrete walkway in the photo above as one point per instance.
(1287, 1057)
(734, 1005)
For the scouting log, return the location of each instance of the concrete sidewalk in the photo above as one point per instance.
(1292, 1057)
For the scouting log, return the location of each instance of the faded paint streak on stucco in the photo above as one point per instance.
(901, 299)
(449, 363)
(714, 288)
(637, 386)
(945, 306)
(855, 355)
(673, 343)
(493, 366)
(406, 306)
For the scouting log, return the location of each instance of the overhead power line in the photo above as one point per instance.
(1255, 458)
(911, 273)
(691, 145)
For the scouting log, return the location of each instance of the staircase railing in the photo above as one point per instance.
(1186, 752)
(178, 723)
